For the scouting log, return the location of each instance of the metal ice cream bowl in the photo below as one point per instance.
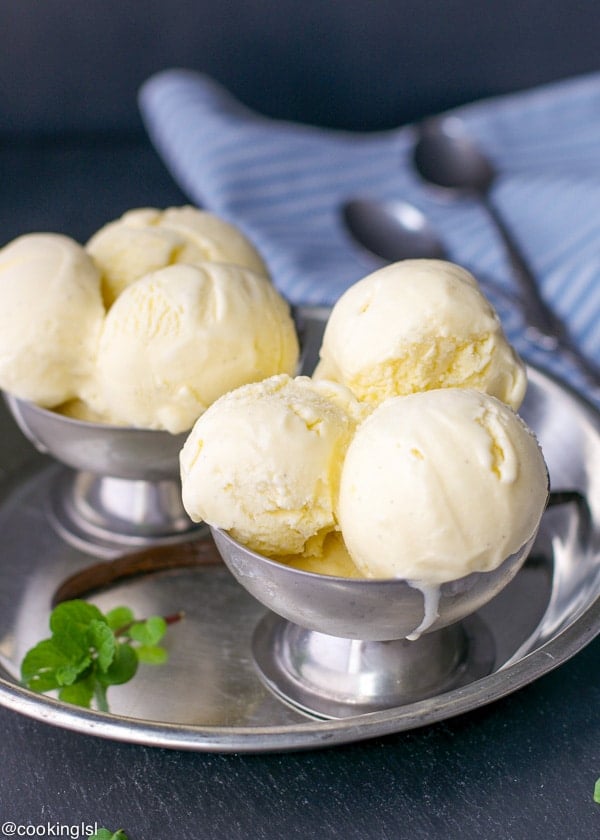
(119, 486)
(334, 647)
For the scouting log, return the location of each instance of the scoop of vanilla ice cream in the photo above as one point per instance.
(417, 325)
(147, 239)
(264, 461)
(178, 338)
(439, 484)
(51, 313)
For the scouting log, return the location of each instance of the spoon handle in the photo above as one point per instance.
(587, 368)
(538, 314)
(544, 327)
(310, 323)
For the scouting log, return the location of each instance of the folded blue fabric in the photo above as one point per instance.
(284, 183)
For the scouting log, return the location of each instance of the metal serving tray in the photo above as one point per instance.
(208, 697)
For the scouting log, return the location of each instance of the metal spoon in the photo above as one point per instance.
(395, 230)
(392, 230)
(445, 155)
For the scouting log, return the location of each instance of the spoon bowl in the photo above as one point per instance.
(447, 156)
(392, 230)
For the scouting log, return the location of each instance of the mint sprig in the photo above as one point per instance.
(106, 834)
(89, 651)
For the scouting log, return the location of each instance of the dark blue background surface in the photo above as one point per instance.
(70, 66)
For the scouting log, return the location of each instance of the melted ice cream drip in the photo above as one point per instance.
(431, 601)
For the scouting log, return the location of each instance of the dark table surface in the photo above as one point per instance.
(522, 767)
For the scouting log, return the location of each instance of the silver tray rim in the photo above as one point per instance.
(312, 734)
(316, 734)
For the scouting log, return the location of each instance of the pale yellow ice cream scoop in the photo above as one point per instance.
(177, 339)
(440, 484)
(146, 239)
(417, 325)
(51, 313)
(264, 462)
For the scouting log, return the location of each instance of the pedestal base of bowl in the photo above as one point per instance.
(106, 516)
(328, 677)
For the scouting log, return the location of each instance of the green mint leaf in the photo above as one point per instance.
(84, 657)
(122, 668)
(73, 645)
(70, 623)
(102, 638)
(148, 632)
(79, 694)
(118, 617)
(73, 617)
(597, 791)
(40, 683)
(67, 674)
(151, 654)
(39, 666)
(105, 834)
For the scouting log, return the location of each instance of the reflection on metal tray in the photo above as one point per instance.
(208, 697)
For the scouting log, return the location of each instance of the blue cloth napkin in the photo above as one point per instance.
(283, 184)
